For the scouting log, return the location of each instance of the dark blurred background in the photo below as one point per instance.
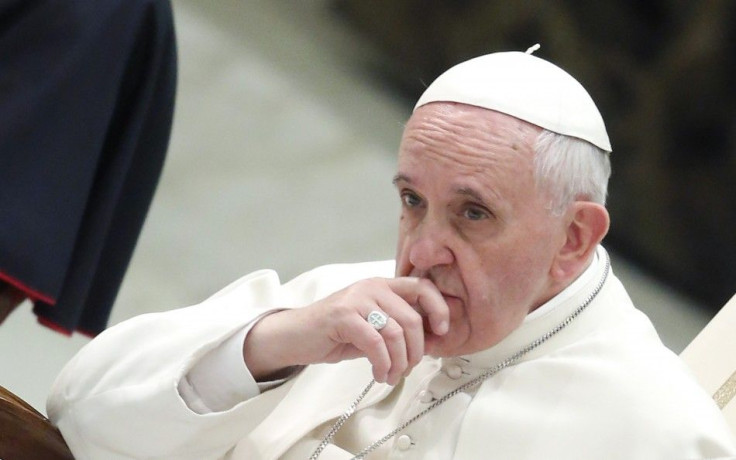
(660, 74)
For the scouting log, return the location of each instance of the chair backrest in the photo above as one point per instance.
(25, 434)
(712, 357)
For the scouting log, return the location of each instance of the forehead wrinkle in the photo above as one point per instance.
(441, 134)
(478, 157)
(486, 145)
(472, 132)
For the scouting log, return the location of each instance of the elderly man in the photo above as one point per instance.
(503, 335)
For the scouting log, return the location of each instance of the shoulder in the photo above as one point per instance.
(324, 280)
(311, 285)
(632, 400)
(356, 271)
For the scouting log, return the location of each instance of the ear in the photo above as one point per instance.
(586, 225)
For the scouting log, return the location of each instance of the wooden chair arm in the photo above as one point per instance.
(25, 434)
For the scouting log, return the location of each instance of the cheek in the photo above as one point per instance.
(512, 289)
(501, 282)
(501, 301)
(517, 260)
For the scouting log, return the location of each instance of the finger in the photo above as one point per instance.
(422, 294)
(412, 327)
(393, 336)
(407, 318)
(370, 343)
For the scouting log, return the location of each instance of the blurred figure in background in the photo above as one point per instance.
(86, 105)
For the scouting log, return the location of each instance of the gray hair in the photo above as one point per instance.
(570, 169)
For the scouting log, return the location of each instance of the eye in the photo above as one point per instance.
(475, 213)
(410, 199)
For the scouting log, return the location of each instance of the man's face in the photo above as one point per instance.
(473, 222)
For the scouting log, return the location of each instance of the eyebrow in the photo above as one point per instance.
(471, 193)
(465, 191)
(400, 178)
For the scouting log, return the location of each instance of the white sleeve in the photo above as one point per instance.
(220, 380)
(119, 397)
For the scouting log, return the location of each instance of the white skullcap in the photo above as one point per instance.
(525, 87)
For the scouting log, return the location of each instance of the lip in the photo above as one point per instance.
(451, 300)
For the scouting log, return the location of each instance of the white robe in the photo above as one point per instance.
(603, 388)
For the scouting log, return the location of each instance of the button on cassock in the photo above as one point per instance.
(426, 396)
(454, 371)
(403, 442)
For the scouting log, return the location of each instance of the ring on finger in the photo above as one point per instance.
(377, 319)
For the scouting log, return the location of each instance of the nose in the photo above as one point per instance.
(429, 245)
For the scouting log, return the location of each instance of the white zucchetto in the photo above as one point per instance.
(525, 87)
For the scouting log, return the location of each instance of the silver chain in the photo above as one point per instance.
(470, 384)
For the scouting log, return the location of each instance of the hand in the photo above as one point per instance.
(335, 329)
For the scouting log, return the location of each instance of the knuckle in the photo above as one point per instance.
(425, 284)
(381, 368)
(349, 292)
(363, 287)
(392, 334)
(375, 283)
(340, 316)
(421, 288)
(374, 341)
(414, 320)
(381, 362)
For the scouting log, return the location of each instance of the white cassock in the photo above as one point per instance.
(603, 388)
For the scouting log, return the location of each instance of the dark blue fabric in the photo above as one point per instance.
(86, 103)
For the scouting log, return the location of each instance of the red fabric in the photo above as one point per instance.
(53, 326)
(30, 292)
(62, 330)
